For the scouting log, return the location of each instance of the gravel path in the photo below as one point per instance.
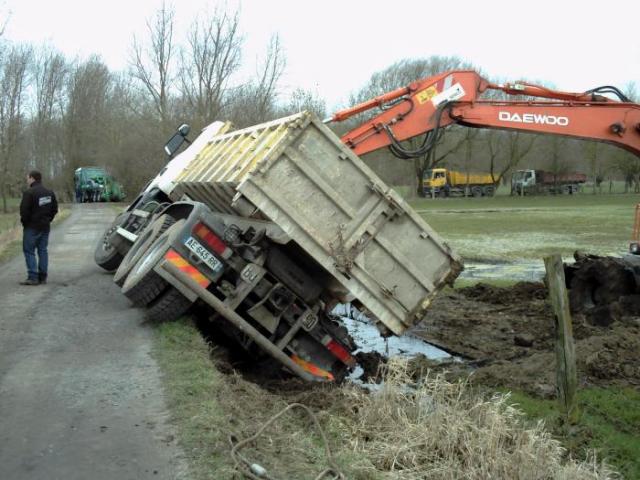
(80, 395)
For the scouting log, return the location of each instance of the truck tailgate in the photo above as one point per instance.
(295, 172)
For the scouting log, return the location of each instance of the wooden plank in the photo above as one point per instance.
(566, 374)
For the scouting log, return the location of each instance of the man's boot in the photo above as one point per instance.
(42, 278)
(30, 281)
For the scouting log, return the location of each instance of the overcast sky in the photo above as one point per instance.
(332, 47)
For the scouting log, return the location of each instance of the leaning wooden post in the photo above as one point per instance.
(567, 378)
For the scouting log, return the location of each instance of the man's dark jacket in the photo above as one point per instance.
(38, 207)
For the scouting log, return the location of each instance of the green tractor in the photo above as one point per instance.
(94, 184)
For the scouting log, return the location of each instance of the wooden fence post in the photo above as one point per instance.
(567, 378)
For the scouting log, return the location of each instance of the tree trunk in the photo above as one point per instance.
(5, 209)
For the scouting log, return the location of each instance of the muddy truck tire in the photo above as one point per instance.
(106, 254)
(169, 306)
(141, 245)
(143, 285)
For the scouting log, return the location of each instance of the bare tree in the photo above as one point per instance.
(397, 75)
(210, 59)
(255, 101)
(305, 100)
(629, 166)
(50, 72)
(85, 118)
(558, 163)
(13, 84)
(506, 150)
(517, 145)
(151, 63)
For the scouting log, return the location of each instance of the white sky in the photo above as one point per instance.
(332, 47)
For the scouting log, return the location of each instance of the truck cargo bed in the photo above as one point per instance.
(296, 173)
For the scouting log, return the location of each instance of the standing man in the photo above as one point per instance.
(37, 209)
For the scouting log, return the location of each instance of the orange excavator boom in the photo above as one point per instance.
(462, 97)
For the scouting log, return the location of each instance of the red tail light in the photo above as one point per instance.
(339, 351)
(211, 239)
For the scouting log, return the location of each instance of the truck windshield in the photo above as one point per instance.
(518, 176)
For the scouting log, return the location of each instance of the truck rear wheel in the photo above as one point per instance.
(106, 255)
(142, 244)
(476, 191)
(169, 306)
(143, 285)
(489, 191)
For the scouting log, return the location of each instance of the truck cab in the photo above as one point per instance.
(434, 181)
(522, 180)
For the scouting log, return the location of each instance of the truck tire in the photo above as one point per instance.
(143, 285)
(169, 306)
(147, 237)
(476, 192)
(106, 255)
(488, 191)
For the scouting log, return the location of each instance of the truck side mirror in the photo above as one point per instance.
(178, 138)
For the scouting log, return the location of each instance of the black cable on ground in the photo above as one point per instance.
(257, 472)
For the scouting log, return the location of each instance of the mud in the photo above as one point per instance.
(496, 336)
(506, 337)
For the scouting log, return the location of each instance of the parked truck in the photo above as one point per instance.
(95, 184)
(532, 182)
(442, 182)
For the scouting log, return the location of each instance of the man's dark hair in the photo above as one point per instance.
(36, 175)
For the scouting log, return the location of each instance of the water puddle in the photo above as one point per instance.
(522, 270)
(368, 338)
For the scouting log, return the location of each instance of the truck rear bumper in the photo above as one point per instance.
(192, 289)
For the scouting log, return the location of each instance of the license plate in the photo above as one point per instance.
(203, 254)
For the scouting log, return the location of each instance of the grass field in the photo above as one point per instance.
(505, 228)
(524, 229)
(609, 425)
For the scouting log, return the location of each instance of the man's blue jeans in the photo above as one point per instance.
(32, 241)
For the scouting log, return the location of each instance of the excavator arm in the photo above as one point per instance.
(426, 106)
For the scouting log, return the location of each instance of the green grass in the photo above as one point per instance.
(508, 228)
(190, 382)
(609, 425)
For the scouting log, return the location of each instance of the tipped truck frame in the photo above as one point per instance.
(191, 262)
(275, 225)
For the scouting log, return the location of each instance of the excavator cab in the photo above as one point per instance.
(634, 246)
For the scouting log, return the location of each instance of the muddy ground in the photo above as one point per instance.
(505, 336)
(501, 336)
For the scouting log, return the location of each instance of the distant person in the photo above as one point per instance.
(37, 209)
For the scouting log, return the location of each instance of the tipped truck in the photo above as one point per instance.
(276, 224)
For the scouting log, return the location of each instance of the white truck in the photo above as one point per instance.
(270, 227)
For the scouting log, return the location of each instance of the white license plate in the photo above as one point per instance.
(203, 254)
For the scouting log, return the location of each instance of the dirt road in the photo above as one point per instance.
(80, 395)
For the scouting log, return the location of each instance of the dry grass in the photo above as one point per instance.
(434, 430)
(441, 431)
